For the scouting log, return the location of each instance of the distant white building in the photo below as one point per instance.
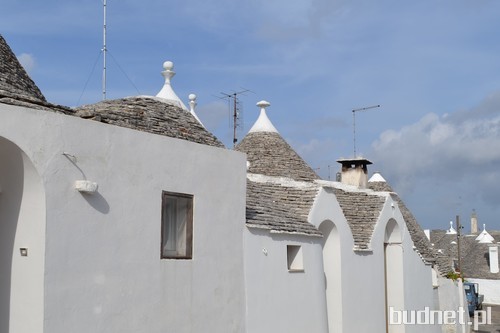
(128, 216)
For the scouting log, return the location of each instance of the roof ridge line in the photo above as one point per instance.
(284, 181)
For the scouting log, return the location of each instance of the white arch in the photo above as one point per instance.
(333, 280)
(22, 231)
(393, 262)
(392, 232)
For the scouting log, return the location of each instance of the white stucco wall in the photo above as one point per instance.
(103, 271)
(450, 299)
(489, 288)
(419, 290)
(363, 273)
(22, 226)
(279, 300)
(417, 276)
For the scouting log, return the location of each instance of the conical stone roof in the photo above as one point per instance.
(269, 154)
(14, 81)
(150, 114)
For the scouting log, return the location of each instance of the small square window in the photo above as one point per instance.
(294, 258)
(176, 226)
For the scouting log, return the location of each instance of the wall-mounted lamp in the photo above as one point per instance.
(23, 251)
(86, 186)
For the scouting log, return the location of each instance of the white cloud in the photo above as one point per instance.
(28, 61)
(438, 150)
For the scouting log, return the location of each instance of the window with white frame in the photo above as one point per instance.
(176, 226)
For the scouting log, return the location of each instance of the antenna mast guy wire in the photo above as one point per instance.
(354, 122)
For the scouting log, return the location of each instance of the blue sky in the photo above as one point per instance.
(432, 65)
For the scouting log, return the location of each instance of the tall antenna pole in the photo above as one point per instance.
(236, 115)
(354, 122)
(235, 119)
(104, 50)
(459, 234)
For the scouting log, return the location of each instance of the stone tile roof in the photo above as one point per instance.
(269, 154)
(280, 205)
(17, 88)
(361, 210)
(474, 255)
(14, 80)
(150, 114)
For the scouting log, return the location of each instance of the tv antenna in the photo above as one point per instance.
(237, 112)
(354, 122)
(104, 50)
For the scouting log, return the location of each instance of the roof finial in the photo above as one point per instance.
(263, 124)
(192, 105)
(167, 92)
(168, 72)
(376, 177)
(192, 102)
(452, 230)
(484, 236)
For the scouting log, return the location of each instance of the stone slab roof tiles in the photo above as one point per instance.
(17, 88)
(150, 114)
(14, 81)
(269, 154)
(361, 210)
(475, 255)
(280, 205)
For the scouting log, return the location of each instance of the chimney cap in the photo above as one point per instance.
(355, 161)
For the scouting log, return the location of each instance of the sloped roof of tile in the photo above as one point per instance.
(361, 210)
(150, 114)
(475, 255)
(280, 206)
(13, 78)
(420, 240)
(17, 88)
(269, 154)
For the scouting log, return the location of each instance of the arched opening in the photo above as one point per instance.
(393, 262)
(333, 283)
(22, 242)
